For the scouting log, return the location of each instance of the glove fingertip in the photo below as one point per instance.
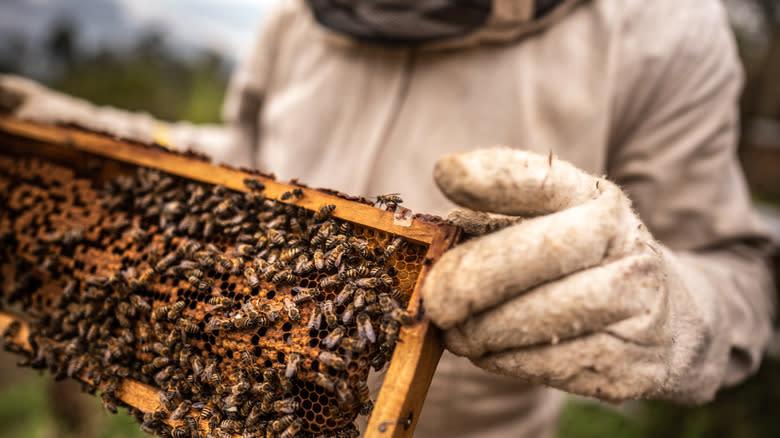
(452, 176)
(441, 305)
(457, 343)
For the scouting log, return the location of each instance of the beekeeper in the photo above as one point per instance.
(618, 256)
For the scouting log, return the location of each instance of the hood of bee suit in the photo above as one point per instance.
(436, 24)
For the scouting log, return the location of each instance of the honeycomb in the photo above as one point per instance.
(251, 316)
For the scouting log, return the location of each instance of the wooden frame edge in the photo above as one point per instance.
(175, 163)
(397, 408)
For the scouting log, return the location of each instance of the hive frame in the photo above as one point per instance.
(415, 358)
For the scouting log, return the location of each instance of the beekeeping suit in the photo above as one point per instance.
(619, 257)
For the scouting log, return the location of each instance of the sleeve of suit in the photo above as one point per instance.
(676, 115)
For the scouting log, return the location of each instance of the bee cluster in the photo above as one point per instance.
(251, 315)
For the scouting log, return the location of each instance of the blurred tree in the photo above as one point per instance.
(148, 76)
(12, 53)
(61, 43)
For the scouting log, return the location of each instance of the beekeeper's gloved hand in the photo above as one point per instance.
(572, 292)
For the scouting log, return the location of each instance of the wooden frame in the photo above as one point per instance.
(412, 366)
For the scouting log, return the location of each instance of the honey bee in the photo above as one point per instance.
(390, 199)
(69, 291)
(226, 264)
(345, 228)
(160, 312)
(329, 312)
(217, 324)
(276, 237)
(243, 323)
(387, 304)
(109, 402)
(292, 429)
(285, 276)
(142, 280)
(175, 310)
(349, 313)
(283, 423)
(286, 406)
(203, 285)
(319, 260)
(71, 349)
(224, 208)
(97, 281)
(329, 359)
(161, 362)
(180, 431)
(292, 310)
(211, 374)
(315, 319)
(205, 260)
(364, 397)
(369, 282)
(359, 300)
(331, 281)
(365, 329)
(334, 257)
(254, 417)
(163, 376)
(390, 330)
(181, 410)
(172, 339)
(393, 247)
(241, 387)
(230, 425)
(332, 340)
(72, 236)
(251, 277)
(353, 345)
(303, 265)
(76, 365)
(149, 424)
(249, 363)
(345, 295)
(321, 233)
(208, 411)
(220, 302)
(254, 184)
(361, 247)
(304, 294)
(271, 313)
(267, 403)
(324, 212)
(290, 253)
(166, 399)
(245, 249)
(324, 381)
(334, 241)
(402, 316)
(292, 365)
(188, 326)
(140, 304)
(343, 393)
(296, 193)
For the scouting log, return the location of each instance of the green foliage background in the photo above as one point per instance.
(149, 77)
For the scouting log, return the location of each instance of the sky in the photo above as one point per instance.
(227, 26)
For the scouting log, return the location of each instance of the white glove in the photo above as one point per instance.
(574, 293)
(30, 101)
